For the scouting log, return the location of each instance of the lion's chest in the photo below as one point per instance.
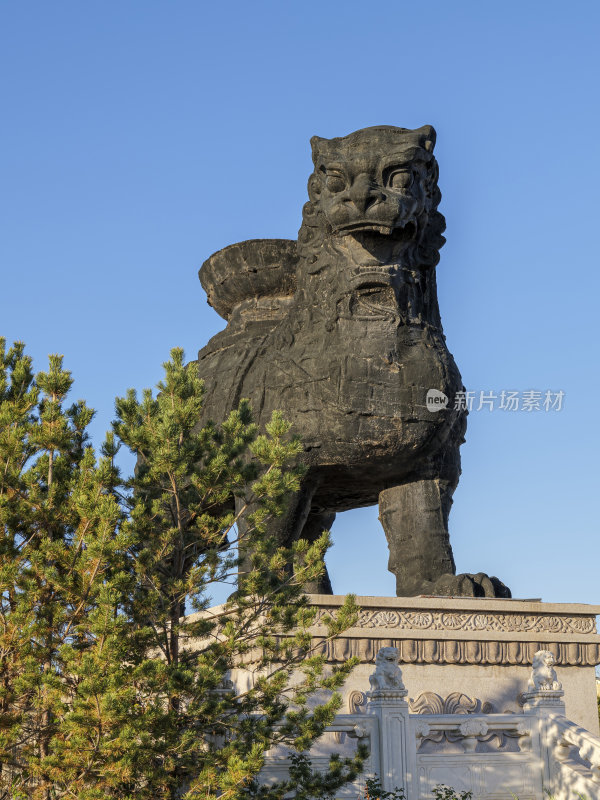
(360, 385)
(364, 364)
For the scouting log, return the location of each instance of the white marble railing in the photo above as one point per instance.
(576, 759)
(528, 756)
(491, 755)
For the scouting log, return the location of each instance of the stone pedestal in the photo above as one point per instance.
(391, 709)
(492, 697)
(470, 654)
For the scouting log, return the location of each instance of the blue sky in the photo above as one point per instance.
(140, 137)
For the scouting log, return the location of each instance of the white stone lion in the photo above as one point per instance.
(543, 675)
(388, 674)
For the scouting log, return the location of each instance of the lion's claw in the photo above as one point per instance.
(467, 584)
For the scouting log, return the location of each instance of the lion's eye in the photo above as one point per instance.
(335, 183)
(401, 179)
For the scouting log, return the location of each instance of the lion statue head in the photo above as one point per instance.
(379, 185)
(543, 675)
(388, 674)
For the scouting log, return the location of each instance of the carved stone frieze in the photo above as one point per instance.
(476, 622)
(454, 703)
(432, 651)
(470, 733)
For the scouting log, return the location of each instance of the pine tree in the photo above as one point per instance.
(59, 517)
(212, 740)
(114, 673)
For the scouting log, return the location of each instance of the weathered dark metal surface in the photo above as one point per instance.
(342, 332)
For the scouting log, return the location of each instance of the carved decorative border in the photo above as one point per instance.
(431, 651)
(454, 703)
(470, 621)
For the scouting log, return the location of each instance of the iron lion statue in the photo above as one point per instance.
(341, 331)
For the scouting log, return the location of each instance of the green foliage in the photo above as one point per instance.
(304, 784)
(58, 565)
(578, 796)
(375, 791)
(442, 792)
(109, 687)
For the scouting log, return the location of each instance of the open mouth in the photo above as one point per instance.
(372, 246)
(367, 227)
(375, 231)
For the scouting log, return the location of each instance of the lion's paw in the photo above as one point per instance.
(467, 584)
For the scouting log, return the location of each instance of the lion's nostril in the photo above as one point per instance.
(365, 201)
(372, 200)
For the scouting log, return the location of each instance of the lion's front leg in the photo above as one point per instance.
(298, 521)
(314, 526)
(415, 520)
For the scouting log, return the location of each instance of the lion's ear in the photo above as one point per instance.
(316, 142)
(427, 137)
